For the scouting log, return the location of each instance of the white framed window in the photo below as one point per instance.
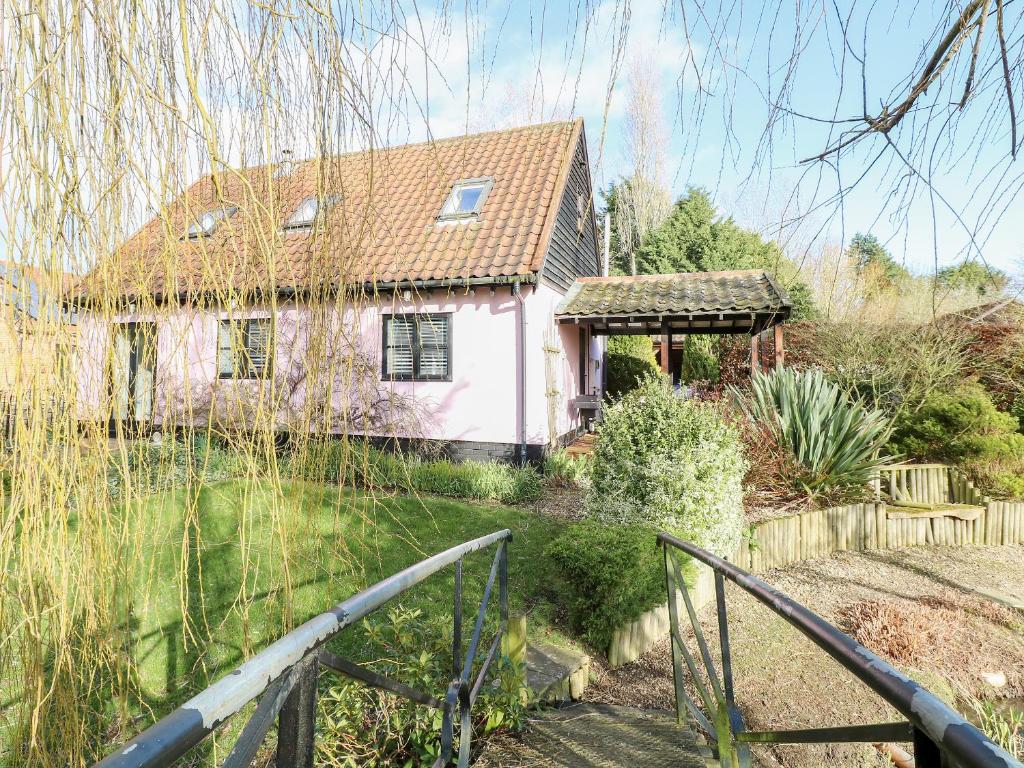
(206, 224)
(304, 215)
(309, 210)
(417, 347)
(245, 348)
(466, 199)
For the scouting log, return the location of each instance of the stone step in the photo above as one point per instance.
(555, 674)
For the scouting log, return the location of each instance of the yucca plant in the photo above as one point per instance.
(838, 442)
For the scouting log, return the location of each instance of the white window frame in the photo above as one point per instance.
(207, 223)
(447, 210)
(323, 204)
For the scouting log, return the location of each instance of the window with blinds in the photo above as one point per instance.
(244, 348)
(417, 347)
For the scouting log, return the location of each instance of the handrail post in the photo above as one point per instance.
(673, 618)
(457, 622)
(926, 752)
(503, 586)
(723, 639)
(295, 735)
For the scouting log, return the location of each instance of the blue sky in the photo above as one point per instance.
(492, 66)
(450, 68)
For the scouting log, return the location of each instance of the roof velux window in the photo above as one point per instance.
(205, 225)
(304, 215)
(309, 210)
(466, 199)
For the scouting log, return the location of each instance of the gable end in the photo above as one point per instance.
(572, 251)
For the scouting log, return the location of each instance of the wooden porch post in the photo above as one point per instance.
(666, 350)
(780, 352)
(755, 356)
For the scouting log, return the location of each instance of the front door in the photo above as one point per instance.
(132, 375)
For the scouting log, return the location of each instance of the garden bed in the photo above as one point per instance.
(784, 681)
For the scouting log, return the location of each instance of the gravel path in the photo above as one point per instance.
(784, 681)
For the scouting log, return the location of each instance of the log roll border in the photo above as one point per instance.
(809, 535)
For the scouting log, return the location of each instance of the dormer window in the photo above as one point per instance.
(466, 199)
(205, 225)
(306, 214)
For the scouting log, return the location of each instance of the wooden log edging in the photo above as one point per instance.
(809, 535)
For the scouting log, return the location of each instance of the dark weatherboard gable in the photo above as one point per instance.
(571, 252)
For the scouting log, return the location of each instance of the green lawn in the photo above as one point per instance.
(217, 566)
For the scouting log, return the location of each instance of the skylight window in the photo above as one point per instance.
(304, 215)
(466, 199)
(309, 210)
(205, 225)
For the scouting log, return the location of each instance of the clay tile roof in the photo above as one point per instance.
(383, 226)
(688, 293)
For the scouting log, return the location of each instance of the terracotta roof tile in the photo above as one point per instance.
(383, 228)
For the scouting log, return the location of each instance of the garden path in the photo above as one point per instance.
(599, 736)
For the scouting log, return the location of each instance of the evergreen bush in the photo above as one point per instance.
(609, 575)
(630, 361)
(835, 441)
(669, 463)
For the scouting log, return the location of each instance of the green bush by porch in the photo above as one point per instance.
(669, 463)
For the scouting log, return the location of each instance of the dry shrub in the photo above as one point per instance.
(904, 633)
(952, 600)
(768, 486)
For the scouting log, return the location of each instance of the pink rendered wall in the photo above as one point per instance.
(552, 368)
(480, 403)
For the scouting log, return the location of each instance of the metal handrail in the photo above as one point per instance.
(285, 672)
(940, 735)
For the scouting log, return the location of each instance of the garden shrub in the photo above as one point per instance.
(610, 575)
(191, 458)
(565, 470)
(630, 361)
(491, 481)
(836, 442)
(323, 460)
(963, 425)
(700, 358)
(891, 368)
(361, 725)
(669, 463)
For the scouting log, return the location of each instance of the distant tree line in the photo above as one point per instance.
(693, 237)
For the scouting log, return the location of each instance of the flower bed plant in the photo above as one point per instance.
(837, 443)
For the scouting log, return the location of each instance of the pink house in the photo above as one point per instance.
(406, 293)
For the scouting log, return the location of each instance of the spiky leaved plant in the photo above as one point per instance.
(837, 441)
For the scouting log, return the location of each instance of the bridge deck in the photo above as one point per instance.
(601, 736)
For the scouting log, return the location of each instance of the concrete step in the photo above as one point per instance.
(556, 674)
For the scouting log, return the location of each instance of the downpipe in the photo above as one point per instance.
(516, 292)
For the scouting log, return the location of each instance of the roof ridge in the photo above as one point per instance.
(395, 147)
(672, 275)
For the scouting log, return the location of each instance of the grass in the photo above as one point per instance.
(211, 587)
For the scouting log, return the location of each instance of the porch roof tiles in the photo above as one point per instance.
(699, 302)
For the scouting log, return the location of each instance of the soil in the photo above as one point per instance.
(784, 681)
(561, 501)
